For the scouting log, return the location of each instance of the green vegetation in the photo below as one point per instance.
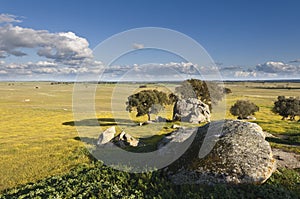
(98, 181)
(243, 109)
(287, 107)
(148, 102)
(38, 140)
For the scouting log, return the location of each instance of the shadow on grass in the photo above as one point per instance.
(101, 122)
(283, 141)
(148, 144)
(87, 140)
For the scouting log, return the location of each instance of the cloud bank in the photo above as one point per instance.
(65, 54)
(267, 70)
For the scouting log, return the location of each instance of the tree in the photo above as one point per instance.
(287, 107)
(148, 102)
(243, 109)
(208, 92)
(227, 90)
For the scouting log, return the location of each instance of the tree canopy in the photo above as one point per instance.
(208, 92)
(287, 107)
(243, 109)
(148, 102)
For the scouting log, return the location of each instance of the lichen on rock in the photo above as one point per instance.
(229, 151)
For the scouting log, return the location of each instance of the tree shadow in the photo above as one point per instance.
(148, 144)
(283, 141)
(87, 140)
(101, 122)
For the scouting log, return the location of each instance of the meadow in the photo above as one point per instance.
(38, 138)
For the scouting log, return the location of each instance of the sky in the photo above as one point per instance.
(58, 40)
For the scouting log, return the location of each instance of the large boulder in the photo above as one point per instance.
(191, 110)
(229, 151)
(106, 136)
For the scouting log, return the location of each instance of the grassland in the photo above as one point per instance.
(33, 142)
(38, 140)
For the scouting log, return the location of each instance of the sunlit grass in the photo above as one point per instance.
(35, 142)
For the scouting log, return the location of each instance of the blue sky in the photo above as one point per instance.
(247, 39)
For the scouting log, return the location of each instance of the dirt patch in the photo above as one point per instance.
(286, 159)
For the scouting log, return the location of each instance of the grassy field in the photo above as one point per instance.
(38, 138)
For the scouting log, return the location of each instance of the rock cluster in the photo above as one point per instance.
(108, 137)
(191, 110)
(125, 139)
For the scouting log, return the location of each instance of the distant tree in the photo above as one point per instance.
(227, 90)
(287, 107)
(148, 102)
(208, 92)
(243, 109)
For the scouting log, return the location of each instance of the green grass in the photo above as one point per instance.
(98, 181)
(38, 140)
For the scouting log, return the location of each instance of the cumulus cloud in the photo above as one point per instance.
(62, 53)
(7, 18)
(277, 67)
(66, 48)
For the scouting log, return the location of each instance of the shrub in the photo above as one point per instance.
(287, 107)
(243, 109)
(227, 90)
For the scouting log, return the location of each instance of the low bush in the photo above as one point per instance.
(98, 181)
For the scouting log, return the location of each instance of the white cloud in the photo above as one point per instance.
(267, 70)
(66, 48)
(277, 67)
(2, 72)
(7, 18)
(245, 74)
(62, 53)
(16, 65)
(46, 64)
(50, 68)
(45, 70)
(155, 69)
